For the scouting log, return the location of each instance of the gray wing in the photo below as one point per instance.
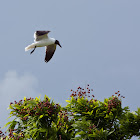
(49, 52)
(39, 35)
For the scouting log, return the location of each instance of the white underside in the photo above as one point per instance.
(41, 43)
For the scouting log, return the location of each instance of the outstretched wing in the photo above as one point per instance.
(49, 52)
(39, 35)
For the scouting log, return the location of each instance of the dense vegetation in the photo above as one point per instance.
(84, 117)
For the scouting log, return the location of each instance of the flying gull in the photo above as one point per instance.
(42, 40)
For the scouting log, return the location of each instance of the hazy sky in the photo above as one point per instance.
(100, 46)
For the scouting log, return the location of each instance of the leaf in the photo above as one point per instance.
(92, 135)
(80, 133)
(17, 106)
(10, 107)
(9, 117)
(101, 130)
(7, 124)
(110, 132)
(107, 116)
(126, 108)
(106, 100)
(13, 124)
(26, 115)
(35, 131)
(74, 125)
(68, 101)
(41, 116)
(138, 111)
(91, 113)
(42, 130)
(12, 112)
(24, 98)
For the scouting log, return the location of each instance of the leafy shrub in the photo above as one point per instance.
(84, 117)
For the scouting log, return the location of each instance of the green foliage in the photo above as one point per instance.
(82, 118)
(94, 119)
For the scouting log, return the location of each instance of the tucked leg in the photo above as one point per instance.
(33, 50)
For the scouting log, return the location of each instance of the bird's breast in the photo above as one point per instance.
(45, 42)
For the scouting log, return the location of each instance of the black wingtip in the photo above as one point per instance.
(46, 61)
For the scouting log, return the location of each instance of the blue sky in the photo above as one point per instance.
(100, 46)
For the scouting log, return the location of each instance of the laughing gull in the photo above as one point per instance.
(41, 40)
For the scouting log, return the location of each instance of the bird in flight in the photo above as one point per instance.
(42, 40)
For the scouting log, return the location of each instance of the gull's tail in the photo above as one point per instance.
(30, 47)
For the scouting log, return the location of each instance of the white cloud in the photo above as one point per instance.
(14, 87)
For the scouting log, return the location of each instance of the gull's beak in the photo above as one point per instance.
(59, 45)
